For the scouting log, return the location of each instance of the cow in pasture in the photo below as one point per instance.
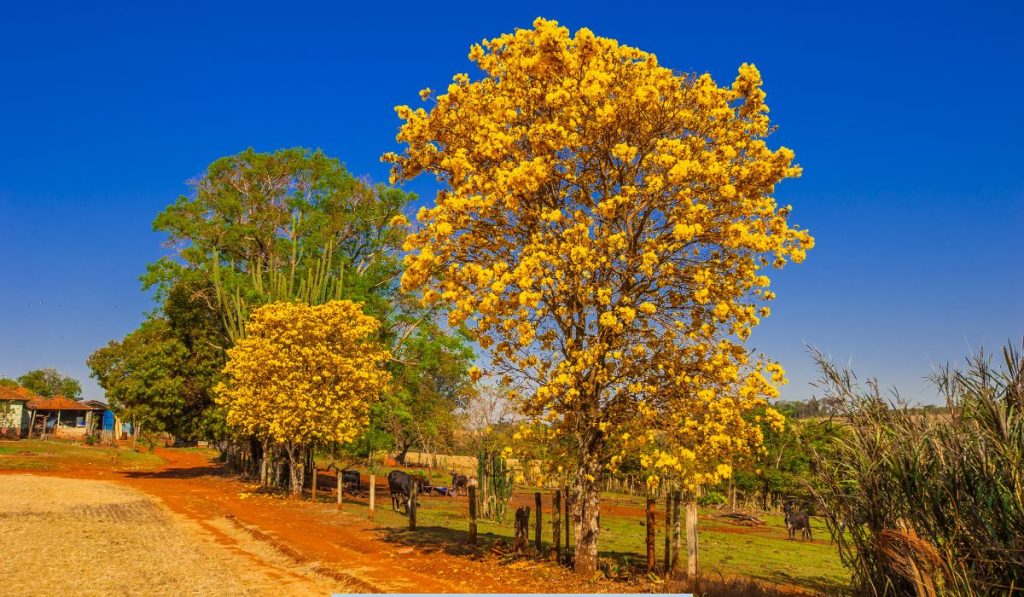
(400, 486)
(460, 484)
(350, 480)
(797, 520)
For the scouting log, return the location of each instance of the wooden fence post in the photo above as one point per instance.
(677, 536)
(313, 496)
(537, 526)
(373, 492)
(652, 537)
(668, 530)
(691, 539)
(522, 530)
(413, 492)
(341, 491)
(556, 523)
(472, 515)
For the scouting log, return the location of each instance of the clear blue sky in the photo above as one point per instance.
(907, 120)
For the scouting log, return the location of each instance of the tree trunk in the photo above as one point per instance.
(586, 509)
(297, 469)
(691, 540)
(403, 450)
(265, 465)
(556, 523)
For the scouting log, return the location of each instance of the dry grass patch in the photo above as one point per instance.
(98, 538)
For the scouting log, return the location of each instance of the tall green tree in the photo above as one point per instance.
(162, 374)
(430, 383)
(50, 382)
(289, 225)
(141, 375)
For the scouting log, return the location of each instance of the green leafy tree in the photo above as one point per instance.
(784, 469)
(289, 225)
(431, 382)
(7, 382)
(141, 375)
(50, 382)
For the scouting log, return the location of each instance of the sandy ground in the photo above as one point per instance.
(100, 538)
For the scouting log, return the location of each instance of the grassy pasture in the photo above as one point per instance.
(726, 549)
(56, 455)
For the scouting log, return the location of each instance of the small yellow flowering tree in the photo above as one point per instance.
(304, 376)
(600, 216)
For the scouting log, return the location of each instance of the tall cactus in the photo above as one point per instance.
(496, 482)
(323, 281)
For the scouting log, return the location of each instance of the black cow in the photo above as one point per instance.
(797, 521)
(350, 479)
(459, 484)
(400, 486)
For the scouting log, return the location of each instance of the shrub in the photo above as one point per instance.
(711, 498)
(930, 502)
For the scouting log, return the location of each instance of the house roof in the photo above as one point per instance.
(17, 394)
(57, 403)
(97, 405)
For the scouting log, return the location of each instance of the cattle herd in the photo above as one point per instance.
(401, 485)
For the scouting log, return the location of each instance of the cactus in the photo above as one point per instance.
(496, 483)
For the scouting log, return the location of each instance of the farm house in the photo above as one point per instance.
(102, 421)
(62, 417)
(14, 416)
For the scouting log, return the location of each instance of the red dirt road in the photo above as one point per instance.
(338, 545)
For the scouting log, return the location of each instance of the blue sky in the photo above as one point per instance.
(906, 118)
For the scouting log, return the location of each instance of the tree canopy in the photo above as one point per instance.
(289, 225)
(143, 376)
(304, 376)
(50, 382)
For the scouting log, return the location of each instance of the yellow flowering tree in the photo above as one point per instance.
(304, 376)
(601, 217)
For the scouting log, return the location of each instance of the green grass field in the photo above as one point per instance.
(56, 455)
(726, 549)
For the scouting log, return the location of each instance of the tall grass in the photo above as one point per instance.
(929, 504)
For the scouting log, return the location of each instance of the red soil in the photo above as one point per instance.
(345, 546)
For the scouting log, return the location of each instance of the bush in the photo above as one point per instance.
(711, 498)
(930, 502)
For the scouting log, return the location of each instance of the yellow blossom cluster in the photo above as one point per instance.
(305, 374)
(603, 228)
(704, 414)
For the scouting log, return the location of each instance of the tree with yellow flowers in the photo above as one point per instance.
(304, 376)
(603, 228)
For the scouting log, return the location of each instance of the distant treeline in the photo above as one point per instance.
(816, 408)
